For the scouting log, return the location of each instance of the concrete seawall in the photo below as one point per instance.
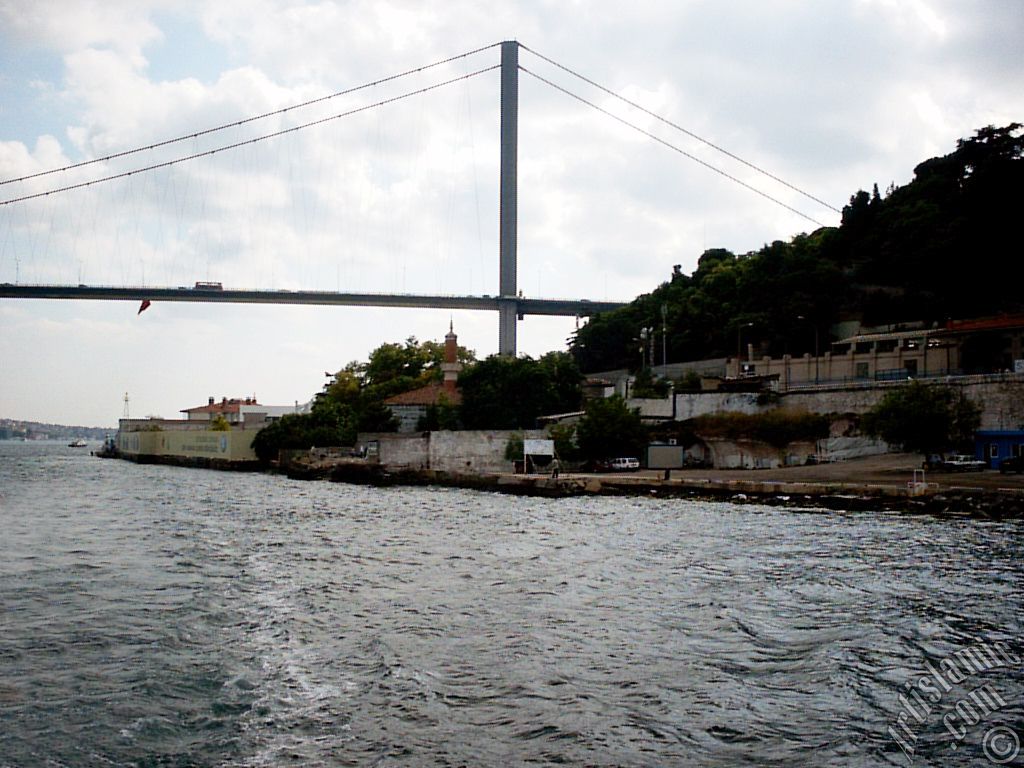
(1004, 503)
(1000, 396)
(189, 448)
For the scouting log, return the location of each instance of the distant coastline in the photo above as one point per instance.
(21, 429)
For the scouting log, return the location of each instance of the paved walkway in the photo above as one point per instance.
(892, 470)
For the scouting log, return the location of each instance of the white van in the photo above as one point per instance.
(625, 465)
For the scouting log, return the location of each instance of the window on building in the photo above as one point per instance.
(910, 366)
(862, 371)
(1017, 450)
(993, 450)
(864, 346)
(888, 345)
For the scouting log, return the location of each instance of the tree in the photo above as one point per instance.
(440, 416)
(510, 393)
(323, 427)
(353, 400)
(412, 364)
(645, 385)
(564, 436)
(394, 361)
(376, 417)
(895, 258)
(924, 418)
(219, 424)
(565, 380)
(609, 429)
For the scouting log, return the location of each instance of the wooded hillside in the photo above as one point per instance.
(942, 247)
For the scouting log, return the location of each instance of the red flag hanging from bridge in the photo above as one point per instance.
(145, 305)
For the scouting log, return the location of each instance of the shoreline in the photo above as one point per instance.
(880, 490)
(955, 501)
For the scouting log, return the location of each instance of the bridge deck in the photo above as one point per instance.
(523, 306)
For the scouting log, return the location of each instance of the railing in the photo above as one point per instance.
(953, 376)
(902, 374)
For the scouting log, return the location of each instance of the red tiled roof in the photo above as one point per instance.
(428, 395)
(986, 323)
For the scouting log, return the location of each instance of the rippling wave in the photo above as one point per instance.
(164, 616)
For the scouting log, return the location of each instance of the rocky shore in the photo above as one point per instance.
(885, 483)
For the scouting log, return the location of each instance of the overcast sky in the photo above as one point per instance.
(830, 97)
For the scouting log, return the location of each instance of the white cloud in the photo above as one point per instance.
(123, 25)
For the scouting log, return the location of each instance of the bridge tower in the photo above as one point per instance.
(508, 304)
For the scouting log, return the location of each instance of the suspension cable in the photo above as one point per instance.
(238, 144)
(237, 123)
(668, 122)
(673, 147)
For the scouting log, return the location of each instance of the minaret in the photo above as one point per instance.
(451, 365)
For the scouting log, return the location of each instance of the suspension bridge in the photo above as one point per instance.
(508, 301)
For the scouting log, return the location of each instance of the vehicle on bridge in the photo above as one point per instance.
(205, 286)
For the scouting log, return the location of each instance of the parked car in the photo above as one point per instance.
(958, 462)
(964, 463)
(1012, 464)
(624, 465)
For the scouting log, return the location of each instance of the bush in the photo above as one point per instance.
(688, 382)
(220, 424)
(778, 427)
(514, 447)
(564, 436)
(645, 385)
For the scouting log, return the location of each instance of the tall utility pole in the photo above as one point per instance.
(664, 337)
(507, 311)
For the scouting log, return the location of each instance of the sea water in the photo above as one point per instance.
(177, 617)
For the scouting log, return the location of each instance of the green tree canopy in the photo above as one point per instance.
(510, 393)
(924, 418)
(645, 385)
(895, 258)
(609, 429)
(353, 400)
(324, 426)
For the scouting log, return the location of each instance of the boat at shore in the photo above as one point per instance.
(109, 449)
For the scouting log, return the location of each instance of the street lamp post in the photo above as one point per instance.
(647, 355)
(739, 333)
(664, 336)
(815, 327)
